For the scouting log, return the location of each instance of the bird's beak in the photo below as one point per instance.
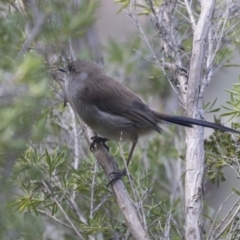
(62, 70)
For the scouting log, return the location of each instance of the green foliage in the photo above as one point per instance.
(26, 101)
(233, 108)
(19, 114)
(208, 108)
(47, 180)
(142, 76)
(36, 134)
(221, 151)
(67, 20)
(124, 3)
(29, 74)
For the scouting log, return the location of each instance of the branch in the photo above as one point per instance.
(124, 201)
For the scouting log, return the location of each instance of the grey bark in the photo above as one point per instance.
(194, 136)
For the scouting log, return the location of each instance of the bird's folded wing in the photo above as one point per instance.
(119, 100)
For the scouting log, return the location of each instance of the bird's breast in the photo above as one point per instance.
(107, 125)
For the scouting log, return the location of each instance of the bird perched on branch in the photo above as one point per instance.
(112, 110)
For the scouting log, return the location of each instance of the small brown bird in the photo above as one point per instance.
(114, 111)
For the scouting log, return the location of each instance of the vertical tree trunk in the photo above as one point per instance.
(194, 137)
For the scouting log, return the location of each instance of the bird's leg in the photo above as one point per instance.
(119, 174)
(131, 152)
(97, 139)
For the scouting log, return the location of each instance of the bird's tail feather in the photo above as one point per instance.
(189, 122)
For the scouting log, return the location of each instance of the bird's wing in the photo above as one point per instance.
(118, 100)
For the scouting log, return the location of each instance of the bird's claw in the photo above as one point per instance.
(117, 175)
(96, 139)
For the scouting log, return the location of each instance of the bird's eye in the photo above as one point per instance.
(71, 68)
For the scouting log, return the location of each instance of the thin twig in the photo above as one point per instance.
(55, 219)
(92, 190)
(135, 193)
(39, 21)
(101, 203)
(61, 209)
(226, 225)
(190, 13)
(76, 145)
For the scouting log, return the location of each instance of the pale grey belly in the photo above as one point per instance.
(110, 126)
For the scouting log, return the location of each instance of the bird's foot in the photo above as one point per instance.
(117, 175)
(101, 140)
